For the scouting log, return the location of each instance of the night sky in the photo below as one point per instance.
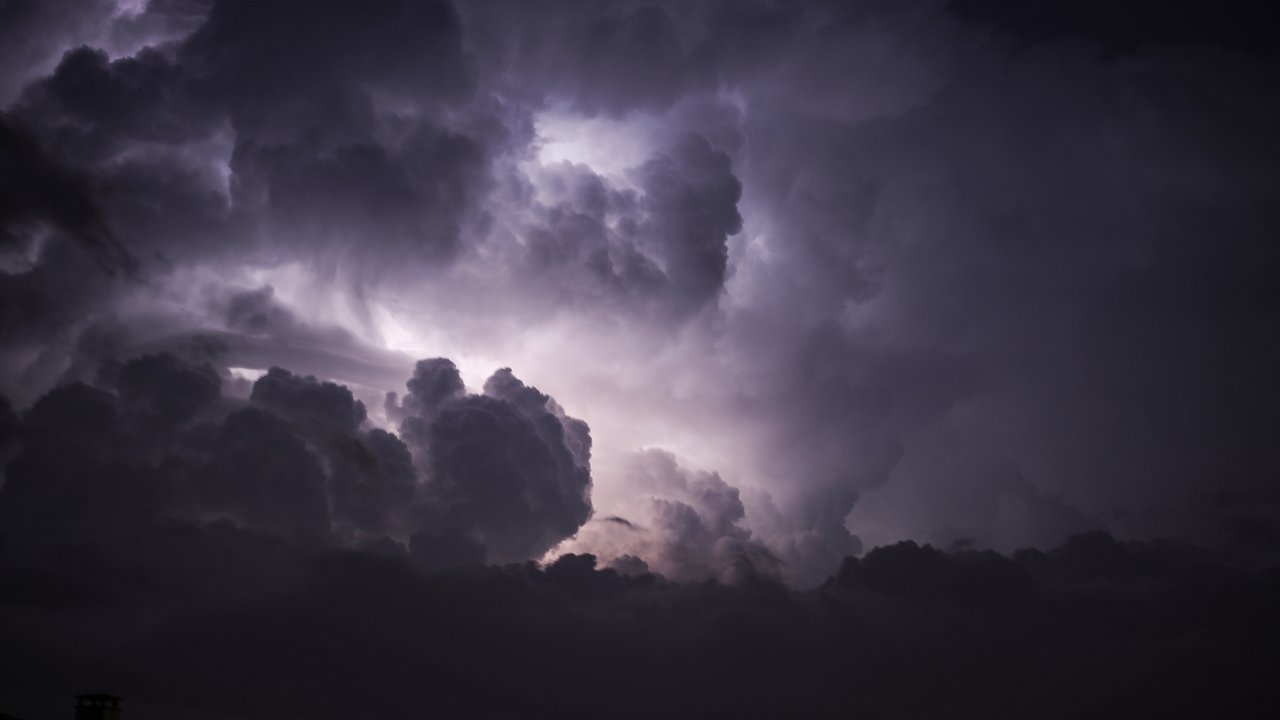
(521, 359)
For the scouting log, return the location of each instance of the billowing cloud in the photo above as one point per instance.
(691, 528)
(507, 468)
(830, 251)
(501, 476)
(969, 275)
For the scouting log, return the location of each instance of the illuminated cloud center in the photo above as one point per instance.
(609, 147)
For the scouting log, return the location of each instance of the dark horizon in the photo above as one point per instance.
(762, 358)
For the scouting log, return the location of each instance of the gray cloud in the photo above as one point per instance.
(924, 290)
(854, 257)
(689, 528)
(229, 527)
(504, 476)
(506, 469)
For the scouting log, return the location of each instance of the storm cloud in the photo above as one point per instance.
(760, 347)
(507, 468)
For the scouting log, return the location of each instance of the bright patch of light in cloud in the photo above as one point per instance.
(609, 147)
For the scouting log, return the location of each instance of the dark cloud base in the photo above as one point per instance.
(1092, 629)
(212, 557)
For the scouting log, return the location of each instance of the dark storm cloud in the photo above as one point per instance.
(624, 59)
(314, 159)
(78, 479)
(507, 472)
(34, 34)
(163, 390)
(691, 197)
(892, 633)
(361, 144)
(1125, 28)
(610, 59)
(263, 474)
(371, 481)
(877, 215)
(970, 273)
(1012, 235)
(57, 249)
(435, 382)
(39, 191)
(99, 105)
(1074, 296)
(979, 499)
(227, 141)
(507, 469)
(320, 407)
(226, 525)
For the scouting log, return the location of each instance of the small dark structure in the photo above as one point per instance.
(97, 707)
